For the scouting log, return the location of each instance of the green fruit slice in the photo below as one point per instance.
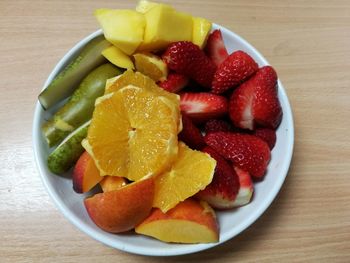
(80, 106)
(67, 80)
(69, 151)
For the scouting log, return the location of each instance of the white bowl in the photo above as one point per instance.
(231, 222)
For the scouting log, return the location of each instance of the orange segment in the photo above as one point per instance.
(191, 172)
(139, 80)
(132, 134)
(151, 66)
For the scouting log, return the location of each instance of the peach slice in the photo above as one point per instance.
(111, 183)
(188, 222)
(120, 210)
(85, 174)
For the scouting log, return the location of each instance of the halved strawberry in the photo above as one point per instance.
(190, 134)
(215, 47)
(268, 135)
(246, 188)
(216, 125)
(188, 59)
(203, 106)
(221, 193)
(256, 101)
(174, 82)
(236, 68)
(245, 151)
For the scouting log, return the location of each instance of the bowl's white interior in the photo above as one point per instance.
(231, 222)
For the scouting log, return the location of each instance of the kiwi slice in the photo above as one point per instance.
(68, 79)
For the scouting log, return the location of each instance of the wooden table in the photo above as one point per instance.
(308, 42)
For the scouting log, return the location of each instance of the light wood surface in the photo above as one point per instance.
(308, 42)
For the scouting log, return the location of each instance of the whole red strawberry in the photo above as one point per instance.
(216, 125)
(190, 134)
(247, 152)
(256, 101)
(268, 135)
(188, 59)
(215, 47)
(221, 193)
(203, 106)
(236, 68)
(174, 82)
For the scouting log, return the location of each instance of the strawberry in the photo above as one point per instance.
(268, 135)
(188, 59)
(202, 106)
(247, 152)
(256, 101)
(216, 125)
(215, 47)
(246, 188)
(190, 134)
(174, 83)
(236, 68)
(221, 193)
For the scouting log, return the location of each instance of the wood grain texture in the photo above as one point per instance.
(308, 42)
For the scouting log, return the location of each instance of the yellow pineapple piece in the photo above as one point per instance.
(143, 6)
(123, 28)
(165, 25)
(118, 57)
(201, 29)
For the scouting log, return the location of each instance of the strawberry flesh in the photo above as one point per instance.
(215, 47)
(246, 188)
(245, 151)
(188, 59)
(222, 191)
(203, 106)
(190, 134)
(235, 69)
(174, 82)
(256, 101)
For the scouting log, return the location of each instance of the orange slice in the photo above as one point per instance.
(191, 172)
(151, 66)
(139, 80)
(133, 133)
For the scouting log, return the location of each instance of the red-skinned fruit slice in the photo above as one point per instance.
(221, 193)
(268, 135)
(190, 134)
(174, 83)
(256, 101)
(122, 209)
(246, 188)
(245, 151)
(217, 125)
(188, 59)
(215, 48)
(85, 174)
(235, 69)
(203, 106)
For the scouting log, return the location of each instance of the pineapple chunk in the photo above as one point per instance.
(118, 57)
(143, 6)
(201, 29)
(123, 28)
(165, 25)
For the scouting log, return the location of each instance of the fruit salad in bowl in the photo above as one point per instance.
(162, 133)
